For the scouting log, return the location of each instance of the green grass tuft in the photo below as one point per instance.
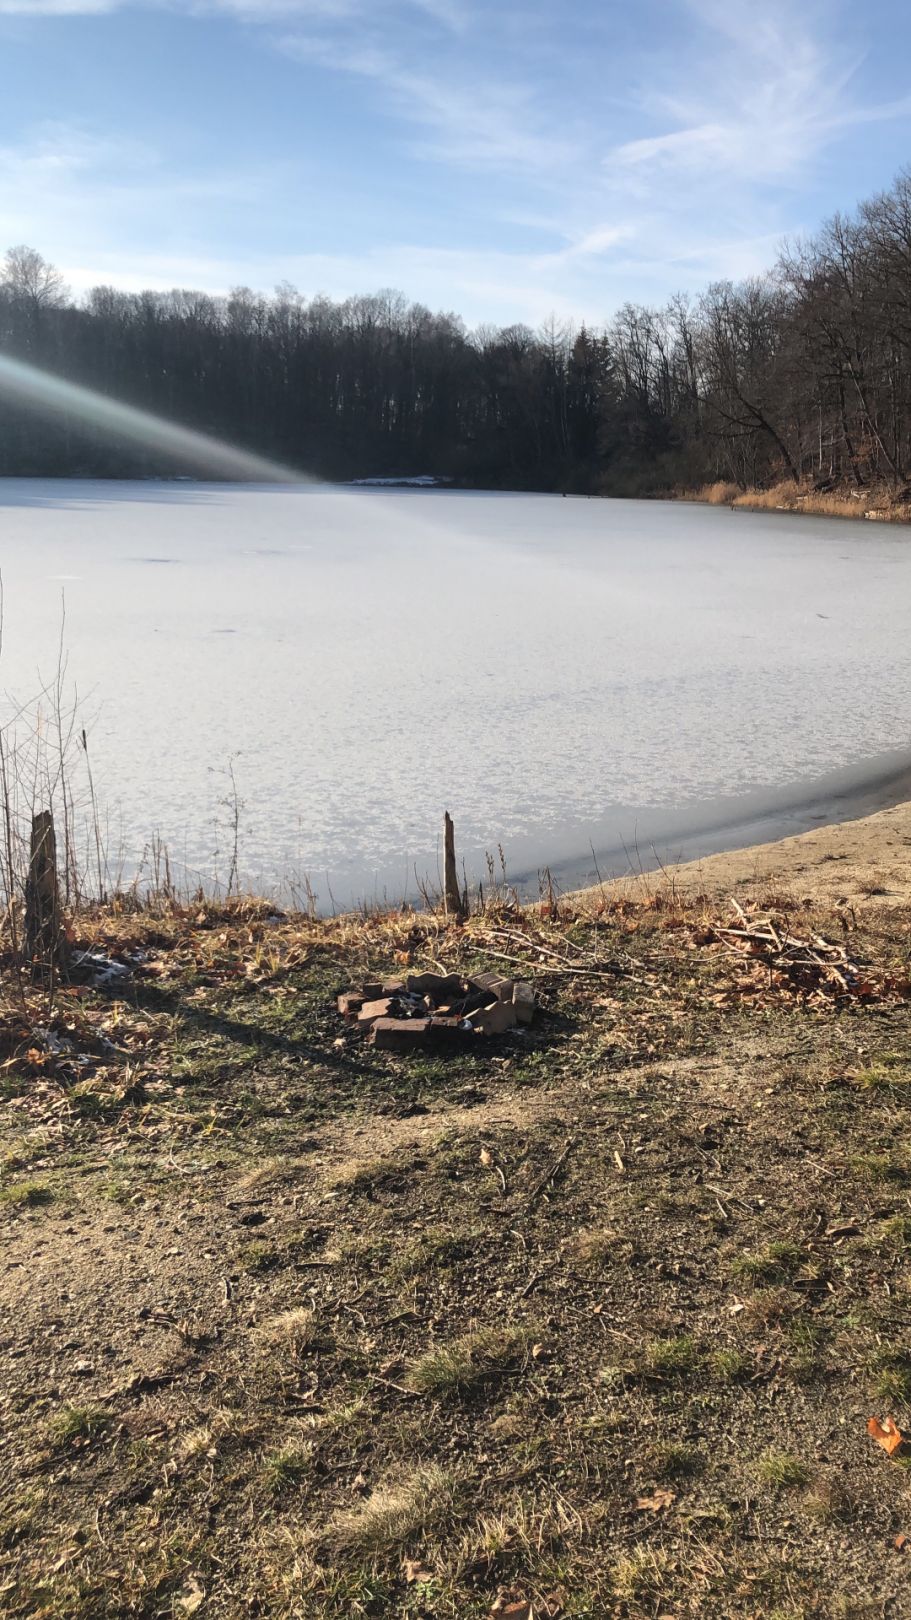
(782, 1470)
(286, 1468)
(465, 1363)
(26, 1194)
(892, 1365)
(897, 1232)
(74, 1423)
(670, 1358)
(731, 1366)
(778, 1262)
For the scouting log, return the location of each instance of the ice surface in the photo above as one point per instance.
(553, 671)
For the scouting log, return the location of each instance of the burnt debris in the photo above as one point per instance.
(441, 1011)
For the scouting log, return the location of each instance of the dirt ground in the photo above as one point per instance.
(591, 1323)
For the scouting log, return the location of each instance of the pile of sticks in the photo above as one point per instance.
(813, 964)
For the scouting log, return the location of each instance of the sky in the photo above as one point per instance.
(508, 160)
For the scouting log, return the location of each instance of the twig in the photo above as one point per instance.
(548, 1178)
(400, 1389)
(612, 971)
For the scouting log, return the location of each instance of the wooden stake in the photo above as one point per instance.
(44, 937)
(452, 893)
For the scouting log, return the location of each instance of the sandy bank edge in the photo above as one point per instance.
(861, 862)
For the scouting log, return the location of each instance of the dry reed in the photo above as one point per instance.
(786, 496)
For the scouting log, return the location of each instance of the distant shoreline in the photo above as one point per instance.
(879, 504)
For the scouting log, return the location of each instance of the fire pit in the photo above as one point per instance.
(439, 1011)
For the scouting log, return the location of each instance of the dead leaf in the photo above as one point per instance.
(901, 1542)
(513, 1611)
(192, 1597)
(619, 1163)
(655, 1503)
(486, 1157)
(886, 1434)
(414, 1570)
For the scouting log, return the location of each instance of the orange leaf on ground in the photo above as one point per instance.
(414, 1570)
(886, 1434)
(655, 1502)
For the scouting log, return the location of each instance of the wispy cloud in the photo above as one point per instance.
(55, 8)
(774, 86)
(450, 13)
(63, 184)
(551, 168)
(487, 123)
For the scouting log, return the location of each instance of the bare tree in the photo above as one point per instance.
(28, 277)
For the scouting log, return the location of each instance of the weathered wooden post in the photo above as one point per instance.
(451, 890)
(45, 941)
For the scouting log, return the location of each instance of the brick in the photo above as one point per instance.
(493, 984)
(523, 999)
(472, 1002)
(350, 1003)
(494, 1019)
(371, 990)
(449, 1033)
(400, 1034)
(437, 985)
(372, 1010)
(392, 987)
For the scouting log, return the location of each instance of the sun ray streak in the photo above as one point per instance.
(200, 453)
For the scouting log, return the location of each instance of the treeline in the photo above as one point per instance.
(804, 373)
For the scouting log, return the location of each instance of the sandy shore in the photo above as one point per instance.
(852, 863)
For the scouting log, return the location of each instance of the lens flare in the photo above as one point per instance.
(199, 453)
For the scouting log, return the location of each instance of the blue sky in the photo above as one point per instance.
(507, 159)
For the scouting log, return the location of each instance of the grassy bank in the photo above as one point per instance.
(879, 504)
(588, 1324)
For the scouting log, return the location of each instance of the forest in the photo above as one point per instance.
(801, 374)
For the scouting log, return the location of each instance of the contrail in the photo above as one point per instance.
(28, 385)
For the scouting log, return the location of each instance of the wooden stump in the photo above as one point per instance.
(451, 891)
(45, 941)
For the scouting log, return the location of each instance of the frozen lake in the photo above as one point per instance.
(558, 673)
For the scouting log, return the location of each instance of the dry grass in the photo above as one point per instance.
(720, 493)
(396, 1510)
(600, 1246)
(344, 1419)
(293, 1331)
(361, 1175)
(466, 1362)
(787, 496)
